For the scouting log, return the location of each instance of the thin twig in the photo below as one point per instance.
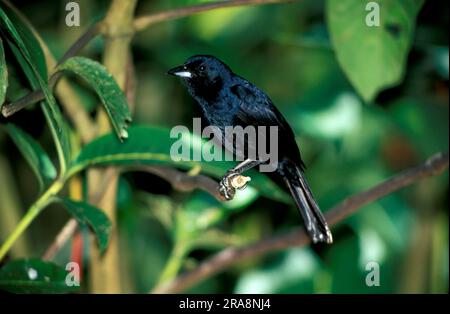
(183, 181)
(83, 40)
(224, 259)
(131, 84)
(143, 22)
(65, 234)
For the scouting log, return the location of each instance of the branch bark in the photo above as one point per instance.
(144, 22)
(228, 257)
(183, 181)
(63, 236)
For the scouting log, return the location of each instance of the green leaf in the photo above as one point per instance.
(18, 32)
(107, 89)
(373, 57)
(33, 153)
(150, 146)
(3, 75)
(34, 276)
(29, 54)
(95, 218)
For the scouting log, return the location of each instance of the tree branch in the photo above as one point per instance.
(183, 181)
(224, 259)
(63, 236)
(92, 32)
(139, 23)
(143, 22)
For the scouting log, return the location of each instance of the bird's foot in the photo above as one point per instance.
(230, 182)
(226, 188)
(321, 236)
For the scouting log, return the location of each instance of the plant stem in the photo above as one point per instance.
(10, 207)
(31, 214)
(118, 32)
(174, 263)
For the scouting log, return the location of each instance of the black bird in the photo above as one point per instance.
(227, 99)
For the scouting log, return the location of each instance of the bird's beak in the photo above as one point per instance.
(180, 71)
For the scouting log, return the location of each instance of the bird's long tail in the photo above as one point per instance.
(314, 220)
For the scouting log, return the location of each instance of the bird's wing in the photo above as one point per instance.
(257, 109)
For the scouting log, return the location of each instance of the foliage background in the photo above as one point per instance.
(348, 145)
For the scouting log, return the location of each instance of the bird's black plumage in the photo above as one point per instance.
(227, 99)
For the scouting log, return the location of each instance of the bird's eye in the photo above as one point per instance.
(201, 68)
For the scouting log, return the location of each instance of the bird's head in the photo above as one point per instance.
(203, 73)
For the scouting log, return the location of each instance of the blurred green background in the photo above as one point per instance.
(348, 145)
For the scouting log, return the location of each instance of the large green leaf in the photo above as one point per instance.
(92, 216)
(34, 276)
(3, 75)
(18, 32)
(373, 57)
(29, 54)
(149, 146)
(107, 89)
(34, 154)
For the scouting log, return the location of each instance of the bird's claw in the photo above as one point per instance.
(227, 192)
(226, 188)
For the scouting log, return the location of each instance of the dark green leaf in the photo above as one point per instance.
(21, 35)
(34, 276)
(107, 89)
(93, 217)
(34, 154)
(150, 146)
(373, 57)
(29, 54)
(3, 75)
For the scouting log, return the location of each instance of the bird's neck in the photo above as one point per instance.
(207, 92)
(215, 108)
